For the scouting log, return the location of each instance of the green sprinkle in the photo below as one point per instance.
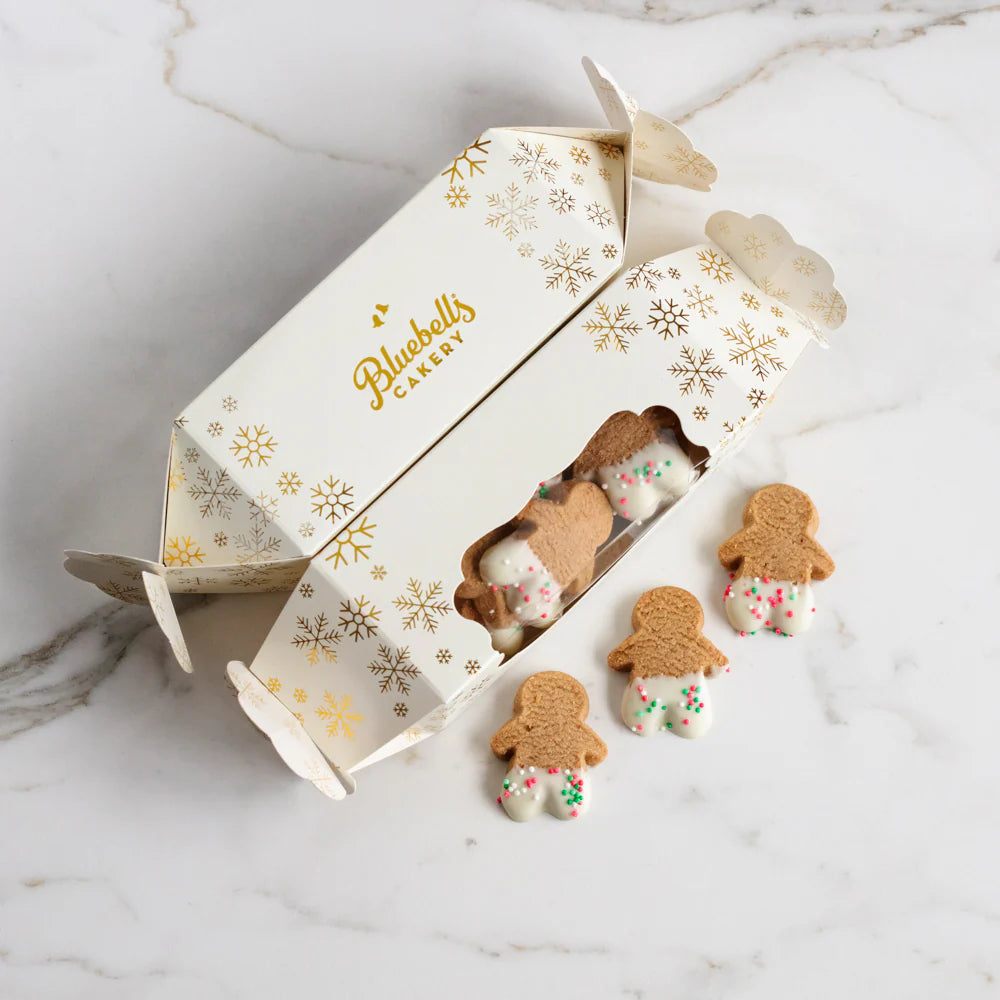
(564, 791)
(791, 597)
(753, 590)
(668, 463)
(670, 725)
(698, 709)
(650, 709)
(659, 473)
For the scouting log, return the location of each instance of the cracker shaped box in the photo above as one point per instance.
(301, 433)
(490, 538)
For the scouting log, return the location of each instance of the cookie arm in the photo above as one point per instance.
(595, 749)
(581, 579)
(714, 657)
(732, 549)
(506, 739)
(822, 565)
(620, 658)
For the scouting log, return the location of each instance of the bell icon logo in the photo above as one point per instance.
(377, 320)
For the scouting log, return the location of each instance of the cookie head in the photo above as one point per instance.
(620, 436)
(668, 611)
(552, 693)
(783, 508)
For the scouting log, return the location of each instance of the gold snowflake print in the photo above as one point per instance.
(215, 492)
(253, 447)
(610, 251)
(215, 429)
(674, 273)
(689, 161)
(605, 174)
(263, 508)
(422, 605)
(457, 197)
(576, 179)
(394, 669)
(400, 709)
(781, 330)
(332, 499)
(378, 572)
(700, 301)
(525, 249)
(175, 477)
(775, 310)
(353, 541)
(646, 275)
(830, 305)
(656, 125)
(472, 667)
(273, 685)
(750, 301)
(667, 318)
(752, 348)
(511, 211)
(125, 593)
(579, 155)
(716, 266)
(220, 538)
(306, 590)
(568, 268)
(641, 144)
(339, 716)
(561, 200)
(534, 161)
(805, 266)
(300, 695)
(289, 484)
(180, 421)
(756, 398)
(229, 404)
(699, 413)
(316, 637)
(192, 455)
(610, 151)
(359, 618)
(611, 328)
(467, 160)
(755, 246)
(768, 287)
(306, 529)
(697, 371)
(443, 656)
(182, 551)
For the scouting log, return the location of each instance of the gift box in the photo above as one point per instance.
(370, 654)
(284, 452)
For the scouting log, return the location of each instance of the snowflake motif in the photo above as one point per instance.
(647, 275)
(749, 300)
(316, 638)
(472, 667)
(768, 287)
(610, 151)
(732, 428)
(421, 605)
(180, 421)
(755, 246)
(338, 715)
(716, 266)
(215, 493)
(332, 499)
(611, 329)
(689, 161)
(781, 330)
(176, 476)
(306, 529)
(123, 592)
(221, 539)
(610, 251)
(534, 161)
(253, 447)
(378, 572)
(700, 413)
(467, 157)
(215, 429)
(443, 656)
(674, 273)
(394, 669)
(289, 484)
(457, 197)
(230, 405)
(576, 179)
(512, 213)
(599, 215)
(306, 590)
(723, 227)
(191, 455)
(579, 155)
(359, 616)
(526, 250)
(700, 301)
(776, 311)
(567, 267)
(256, 545)
(752, 347)
(561, 200)
(604, 173)
(805, 266)
(756, 398)
(182, 551)
(830, 305)
(641, 144)
(351, 542)
(400, 709)
(696, 371)
(300, 695)
(273, 685)
(263, 508)
(667, 318)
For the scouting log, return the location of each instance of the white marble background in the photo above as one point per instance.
(175, 176)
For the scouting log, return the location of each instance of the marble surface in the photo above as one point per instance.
(175, 177)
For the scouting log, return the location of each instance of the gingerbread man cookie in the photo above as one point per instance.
(524, 572)
(638, 470)
(550, 747)
(668, 658)
(773, 561)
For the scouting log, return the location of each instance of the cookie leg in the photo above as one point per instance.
(643, 705)
(507, 640)
(689, 712)
(522, 793)
(568, 792)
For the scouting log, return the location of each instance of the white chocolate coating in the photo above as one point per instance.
(526, 792)
(679, 705)
(653, 476)
(531, 592)
(754, 603)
